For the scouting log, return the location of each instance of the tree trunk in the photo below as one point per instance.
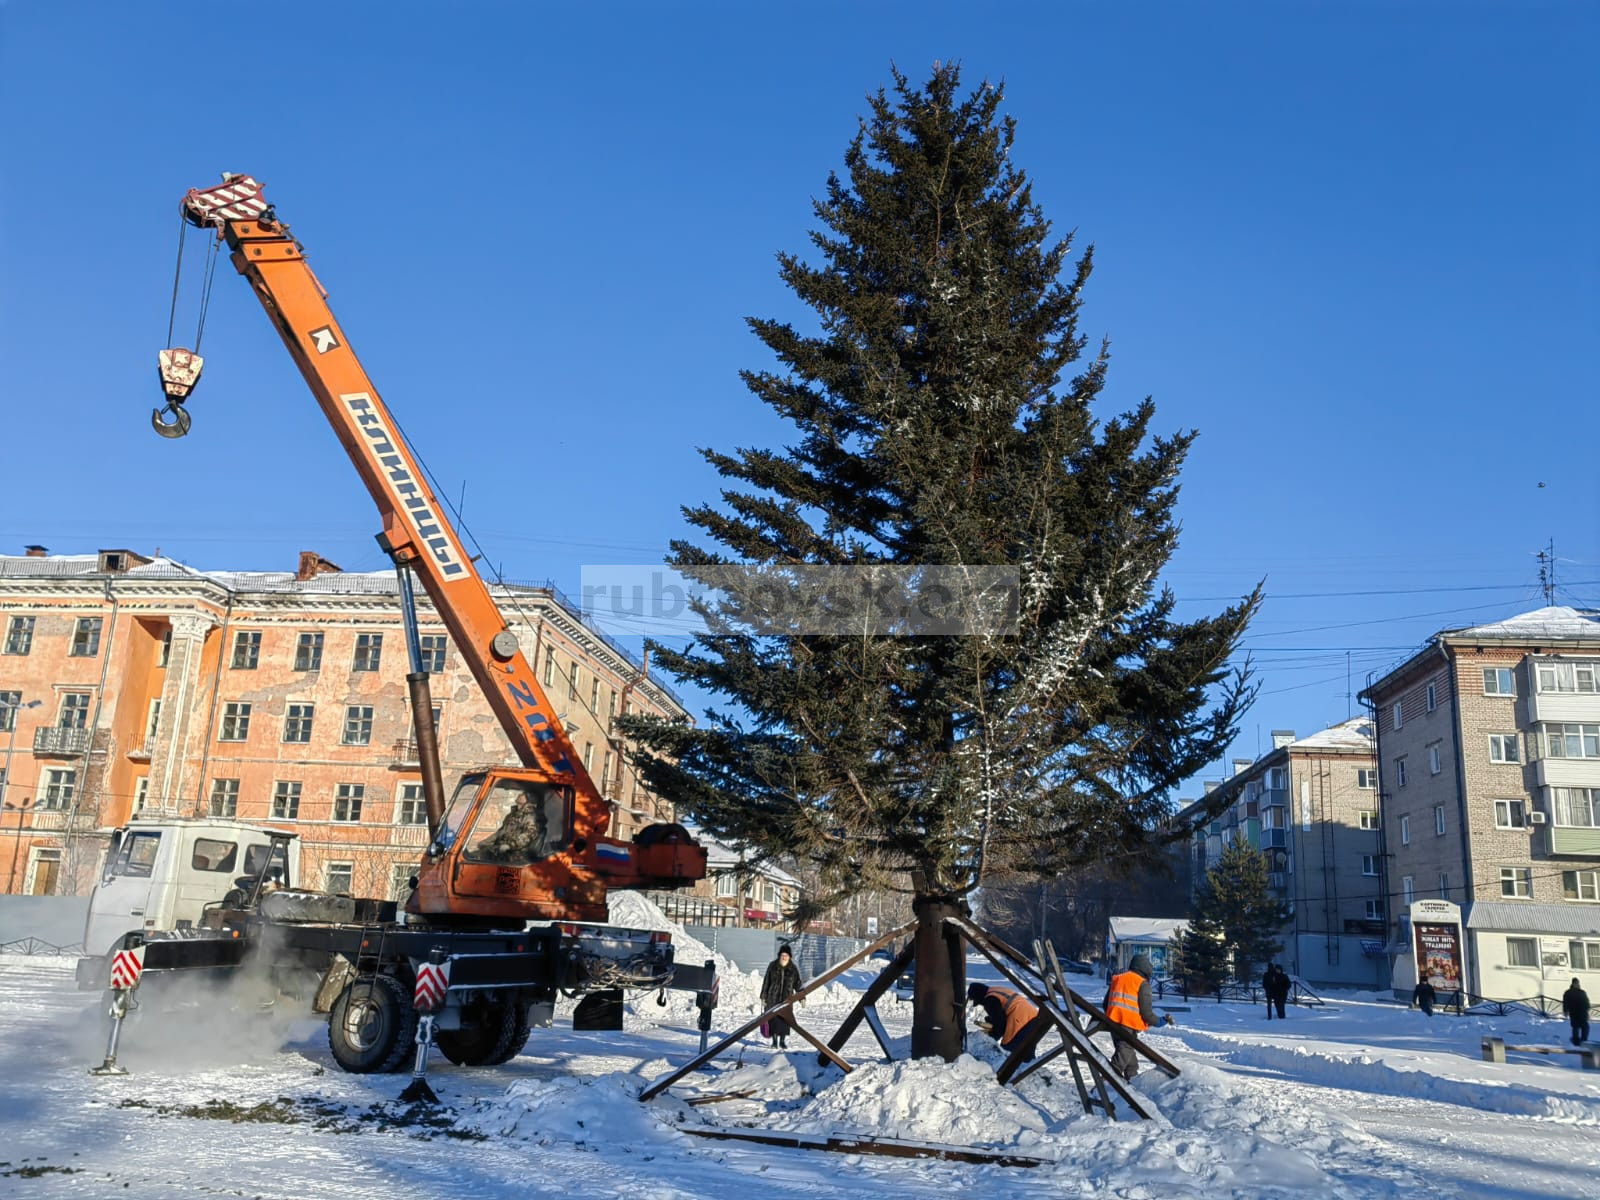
(939, 1002)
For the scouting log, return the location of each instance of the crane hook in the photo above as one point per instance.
(180, 371)
(177, 426)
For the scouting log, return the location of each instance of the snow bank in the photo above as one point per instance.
(602, 1112)
(739, 994)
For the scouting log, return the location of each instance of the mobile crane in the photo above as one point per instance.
(510, 845)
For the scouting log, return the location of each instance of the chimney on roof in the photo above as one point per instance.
(1212, 785)
(117, 562)
(1241, 765)
(1281, 738)
(313, 564)
(35, 551)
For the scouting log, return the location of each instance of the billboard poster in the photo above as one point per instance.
(1553, 956)
(1438, 954)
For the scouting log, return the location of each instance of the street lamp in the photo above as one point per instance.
(5, 778)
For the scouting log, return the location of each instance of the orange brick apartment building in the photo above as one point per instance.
(130, 684)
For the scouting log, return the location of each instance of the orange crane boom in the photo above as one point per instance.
(568, 880)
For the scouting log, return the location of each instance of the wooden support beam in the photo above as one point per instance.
(893, 1147)
(873, 994)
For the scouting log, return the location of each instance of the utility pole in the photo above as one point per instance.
(1547, 572)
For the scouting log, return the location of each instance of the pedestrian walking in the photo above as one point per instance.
(1275, 989)
(1423, 997)
(1575, 1003)
(781, 982)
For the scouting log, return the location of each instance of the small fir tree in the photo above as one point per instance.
(1236, 902)
(1200, 953)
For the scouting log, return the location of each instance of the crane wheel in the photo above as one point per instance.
(491, 1033)
(372, 1025)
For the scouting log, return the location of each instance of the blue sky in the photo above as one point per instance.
(1352, 244)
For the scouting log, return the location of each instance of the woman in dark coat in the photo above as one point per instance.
(782, 981)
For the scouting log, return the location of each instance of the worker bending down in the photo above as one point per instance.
(1005, 1013)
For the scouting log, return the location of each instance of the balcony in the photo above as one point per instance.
(55, 742)
(1578, 841)
(1278, 880)
(1274, 839)
(404, 754)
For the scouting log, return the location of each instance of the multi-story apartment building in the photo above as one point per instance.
(1310, 804)
(132, 684)
(1489, 757)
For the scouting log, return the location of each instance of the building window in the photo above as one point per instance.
(1408, 890)
(1374, 910)
(594, 695)
(1510, 814)
(1566, 676)
(1405, 831)
(1584, 956)
(1369, 864)
(1571, 741)
(433, 646)
(1434, 765)
(19, 635)
(1395, 714)
(74, 712)
(411, 809)
(1498, 681)
(308, 652)
(1522, 952)
(224, 798)
(549, 667)
(1438, 819)
(357, 725)
(1433, 697)
(166, 647)
(1581, 885)
(1516, 883)
(588, 756)
(1366, 778)
(369, 652)
(572, 683)
(60, 786)
(246, 650)
(297, 722)
(728, 885)
(1503, 748)
(85, 638)
(235, 723)
(1577, 808)
(141, 793)
(338, 878)
(1277, 779)
(400, 876)
(605, 774)
(1368, 818)
(1399, 772)
(347, 798)
(9, 703)
(1444, 885)
(286, 800)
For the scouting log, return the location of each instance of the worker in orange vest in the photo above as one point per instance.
(1129, 1010)
(1005, 1013)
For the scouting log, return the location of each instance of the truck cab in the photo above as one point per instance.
(161, 875)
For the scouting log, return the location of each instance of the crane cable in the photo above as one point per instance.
(208, 276)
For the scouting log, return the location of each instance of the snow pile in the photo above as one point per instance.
(925, 1100)
(602, 1113)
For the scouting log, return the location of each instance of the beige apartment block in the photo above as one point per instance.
(136, 684)
(1489, 760)
(1310, 804)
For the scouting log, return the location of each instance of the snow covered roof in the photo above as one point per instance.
(721, 857)
(1514, 917)
(1556, 623)
(1146, 929)
(1354, 734)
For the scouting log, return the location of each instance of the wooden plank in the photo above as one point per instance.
(893, 1147)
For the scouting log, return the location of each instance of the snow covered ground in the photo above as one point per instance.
(1359, 1100)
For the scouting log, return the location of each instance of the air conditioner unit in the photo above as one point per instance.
(1537, 818)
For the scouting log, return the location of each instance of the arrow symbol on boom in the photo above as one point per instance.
(324, 339)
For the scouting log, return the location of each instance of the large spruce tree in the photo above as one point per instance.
(935, 425)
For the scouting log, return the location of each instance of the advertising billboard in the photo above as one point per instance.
(1438, 947)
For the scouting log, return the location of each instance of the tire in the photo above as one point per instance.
(372, 1027)
(491, 1033)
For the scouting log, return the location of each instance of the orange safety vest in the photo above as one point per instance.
(1123, 1006)
(1018, 1010)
